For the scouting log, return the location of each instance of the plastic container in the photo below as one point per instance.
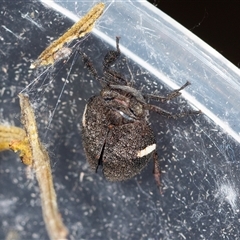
(199, 155)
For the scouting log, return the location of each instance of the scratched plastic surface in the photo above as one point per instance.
(199, 156)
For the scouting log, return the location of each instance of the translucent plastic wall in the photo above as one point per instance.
(198, 155)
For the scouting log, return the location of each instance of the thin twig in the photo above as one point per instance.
(78, 30)
(41, 164)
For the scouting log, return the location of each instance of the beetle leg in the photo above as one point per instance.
(112, 56)
(156, 171)
(170, 96)
(110, 75)
(89, 65)
(168, 114)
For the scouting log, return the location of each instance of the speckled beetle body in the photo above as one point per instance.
(114, 137)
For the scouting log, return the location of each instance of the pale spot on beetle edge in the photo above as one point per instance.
(84, 117)
(146, 151)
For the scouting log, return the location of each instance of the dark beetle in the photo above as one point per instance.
(115, 128)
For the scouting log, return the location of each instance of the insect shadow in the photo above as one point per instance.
(115, 128)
